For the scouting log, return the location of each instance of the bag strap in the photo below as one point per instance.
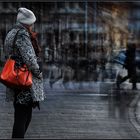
(13, 46)
(14, 41)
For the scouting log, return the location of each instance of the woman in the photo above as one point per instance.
(25, 51)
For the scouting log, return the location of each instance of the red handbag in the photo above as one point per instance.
(15, 77)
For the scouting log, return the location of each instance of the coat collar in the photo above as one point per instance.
(19, 25)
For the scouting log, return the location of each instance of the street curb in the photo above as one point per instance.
(132, 112)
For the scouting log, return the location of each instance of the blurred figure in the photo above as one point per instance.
(130, 65)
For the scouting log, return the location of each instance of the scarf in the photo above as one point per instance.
(34, 41)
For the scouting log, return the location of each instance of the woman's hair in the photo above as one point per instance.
(34, 41)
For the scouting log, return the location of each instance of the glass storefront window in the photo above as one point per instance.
(83, 36)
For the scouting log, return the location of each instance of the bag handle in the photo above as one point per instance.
(13, 46)
(14, 41)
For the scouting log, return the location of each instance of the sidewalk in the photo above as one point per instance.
(75, 86)
(78, 116)
(134, 112)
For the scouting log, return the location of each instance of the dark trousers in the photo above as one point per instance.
(22, 118)
(131, 75)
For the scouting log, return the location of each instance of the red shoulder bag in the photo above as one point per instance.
(15, 77)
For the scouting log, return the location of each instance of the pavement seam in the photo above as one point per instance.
(132, 111)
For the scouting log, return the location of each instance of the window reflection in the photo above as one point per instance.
(83, 37)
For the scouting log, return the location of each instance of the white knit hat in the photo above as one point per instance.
(25, 16)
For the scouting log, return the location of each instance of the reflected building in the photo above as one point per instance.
(85, 35)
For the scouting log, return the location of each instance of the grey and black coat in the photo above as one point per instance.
(24, 54)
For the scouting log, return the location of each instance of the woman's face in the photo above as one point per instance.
(30, 27)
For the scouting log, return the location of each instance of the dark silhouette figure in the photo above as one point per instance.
(130, 65)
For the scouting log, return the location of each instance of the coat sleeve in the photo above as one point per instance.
(27, 52)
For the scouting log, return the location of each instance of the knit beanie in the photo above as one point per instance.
(25, 16)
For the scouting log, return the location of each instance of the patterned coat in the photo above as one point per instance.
(24, 54)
